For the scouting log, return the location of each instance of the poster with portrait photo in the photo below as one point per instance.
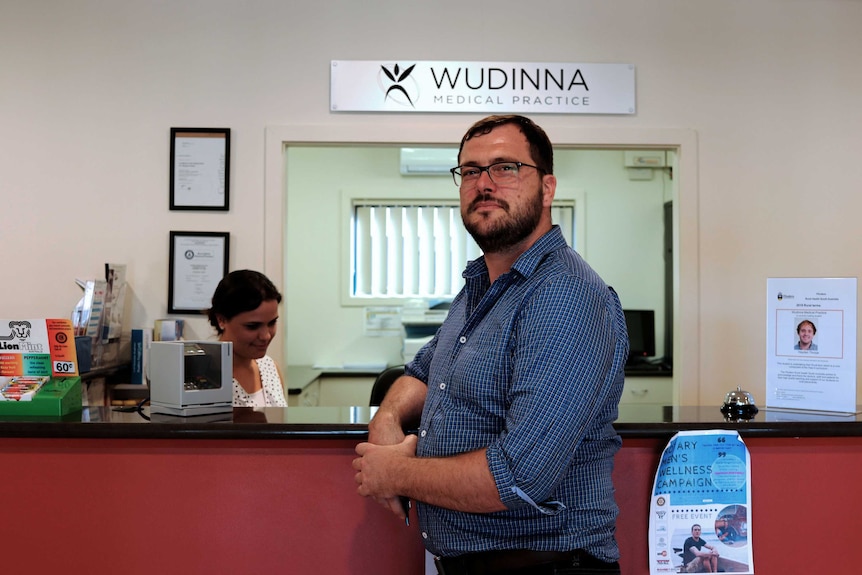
(811, 344)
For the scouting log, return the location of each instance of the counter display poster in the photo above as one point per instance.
(811, 344)
(700, 510)
(37, 347)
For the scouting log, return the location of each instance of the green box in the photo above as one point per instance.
(58, 396)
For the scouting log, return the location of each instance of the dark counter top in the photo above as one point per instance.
(635, 422)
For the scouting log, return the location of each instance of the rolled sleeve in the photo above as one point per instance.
(511, 495)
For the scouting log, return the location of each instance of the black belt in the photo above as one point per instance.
(490, 562)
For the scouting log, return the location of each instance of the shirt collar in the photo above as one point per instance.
(528, 261)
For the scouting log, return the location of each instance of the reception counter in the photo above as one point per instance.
(102, 491)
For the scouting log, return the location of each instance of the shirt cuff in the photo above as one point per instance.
(512, 496)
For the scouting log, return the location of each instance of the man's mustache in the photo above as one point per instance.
(487, 198)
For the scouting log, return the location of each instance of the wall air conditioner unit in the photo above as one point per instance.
(645, 158)
(640, 164)
(428, 161)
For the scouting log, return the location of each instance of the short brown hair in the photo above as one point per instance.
(809, 322)
(541, 150)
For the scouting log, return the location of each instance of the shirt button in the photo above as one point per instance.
(424, 433)
(462, 339)
(442, 386)
(424, 535)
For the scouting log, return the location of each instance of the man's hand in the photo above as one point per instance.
(378, 469)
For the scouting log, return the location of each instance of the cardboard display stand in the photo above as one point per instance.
(38, 368)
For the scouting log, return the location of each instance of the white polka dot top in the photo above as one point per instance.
(273, 391)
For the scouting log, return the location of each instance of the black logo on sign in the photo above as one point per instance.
(20, 329)
(397, 77)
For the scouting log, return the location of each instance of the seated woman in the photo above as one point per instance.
(245, 311)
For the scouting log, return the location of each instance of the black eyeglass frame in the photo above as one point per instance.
(456, 171)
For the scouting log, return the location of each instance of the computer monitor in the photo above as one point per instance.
(641, 328)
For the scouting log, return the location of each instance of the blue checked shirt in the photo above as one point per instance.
(531, 368)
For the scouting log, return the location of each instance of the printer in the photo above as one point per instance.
(191, 377)
(421, 320)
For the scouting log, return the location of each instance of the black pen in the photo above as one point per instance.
(405, 501)
(405, 505)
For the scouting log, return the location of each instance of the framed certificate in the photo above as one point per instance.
(200, 169)
(198, 262)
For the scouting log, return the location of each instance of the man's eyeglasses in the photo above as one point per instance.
(501, 173)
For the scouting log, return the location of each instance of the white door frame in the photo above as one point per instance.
(686, 329)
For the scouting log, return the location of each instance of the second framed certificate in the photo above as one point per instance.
(200, 169)
(198, 262)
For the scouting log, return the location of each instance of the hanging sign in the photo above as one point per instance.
(700, 509)
(486, 87)
(811, 344)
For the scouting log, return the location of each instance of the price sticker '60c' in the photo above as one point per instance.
(64, 367)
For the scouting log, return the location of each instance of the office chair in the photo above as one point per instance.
(383, 382)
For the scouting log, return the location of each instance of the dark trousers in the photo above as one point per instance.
(526, 562)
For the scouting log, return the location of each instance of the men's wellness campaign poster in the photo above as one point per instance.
(700, 510)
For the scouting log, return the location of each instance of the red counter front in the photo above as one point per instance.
(806, 503)
(288, 506)
(194, 506)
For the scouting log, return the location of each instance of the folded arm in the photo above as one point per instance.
(387, 466)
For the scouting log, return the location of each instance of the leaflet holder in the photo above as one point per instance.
(191, 377)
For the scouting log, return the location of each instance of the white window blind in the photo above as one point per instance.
(413, 250)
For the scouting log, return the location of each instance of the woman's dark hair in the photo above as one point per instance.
(540, 145)
(238, 292)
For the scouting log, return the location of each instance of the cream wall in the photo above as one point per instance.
(90, 89)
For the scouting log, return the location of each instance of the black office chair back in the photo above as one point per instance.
(383, 382)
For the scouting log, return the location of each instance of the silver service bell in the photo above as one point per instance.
(738, 404)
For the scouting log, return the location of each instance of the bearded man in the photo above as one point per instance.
(517, 391)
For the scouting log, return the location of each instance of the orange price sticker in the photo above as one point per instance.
(61, 342)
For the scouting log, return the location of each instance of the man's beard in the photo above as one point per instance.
(509, 231)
